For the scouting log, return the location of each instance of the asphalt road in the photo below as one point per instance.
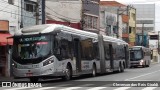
(131, 79)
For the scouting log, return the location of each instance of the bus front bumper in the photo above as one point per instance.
(36, 72)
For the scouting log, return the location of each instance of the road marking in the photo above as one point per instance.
(141, 75)
(17, 88)
(62, 85)
(43, 88)
(81, 86)
(122, 88)
(97, 88)
(149, 88)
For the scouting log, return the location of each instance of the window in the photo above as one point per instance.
(11, 2)
(91, 22)
(95, 22)
(87, 49)
(30, 7)
(63, 46)
(130, 30)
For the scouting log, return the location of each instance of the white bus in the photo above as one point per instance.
(140, 56)
(53, 50)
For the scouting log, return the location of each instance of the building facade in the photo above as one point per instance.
(80, 14)
(132, 25)
(113, 18)
(9, 22)
(15, 14)
(31, 12)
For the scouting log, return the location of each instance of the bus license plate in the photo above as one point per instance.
(29, 74)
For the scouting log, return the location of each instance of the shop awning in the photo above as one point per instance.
(4, 40)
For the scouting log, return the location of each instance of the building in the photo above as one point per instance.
(15, 14)
(132, 25)
(145, 22)
(80, 14)
(31, 12)
(9, 22)
(113, 19)
(154, 45)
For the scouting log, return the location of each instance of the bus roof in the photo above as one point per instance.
(47, 28)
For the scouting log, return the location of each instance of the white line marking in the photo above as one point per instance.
(122, 88)
(43, 88)
(149, 88)
(97, 88)
(62, 85)
(17, 88)
(141, 75)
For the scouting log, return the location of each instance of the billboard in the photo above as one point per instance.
(4, 25)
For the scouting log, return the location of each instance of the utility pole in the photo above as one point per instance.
(142, 44)
(43, 11)
(37, 12)
(118, 22)
(158, 42)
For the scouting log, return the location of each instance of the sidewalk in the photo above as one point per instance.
(11, 79)
(153, 62)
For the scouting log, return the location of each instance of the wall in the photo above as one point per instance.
(64, 10)
(132, 26)
(28, 17)
(11, 13)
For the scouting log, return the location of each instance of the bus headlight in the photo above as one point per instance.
(49, 61)
(141, 62)
(14, 65)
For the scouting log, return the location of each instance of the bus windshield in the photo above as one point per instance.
(135, 54)
(31, 47)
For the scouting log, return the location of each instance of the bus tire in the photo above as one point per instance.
(94, 70)
(144, 65)
(34, 79)
(68, 73)
(148, 65)
(122, 68)
(119, 68)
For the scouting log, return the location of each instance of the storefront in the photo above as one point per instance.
(4, 57)
(4, 42)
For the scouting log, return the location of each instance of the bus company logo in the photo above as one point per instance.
(13, 84)
(6, 84)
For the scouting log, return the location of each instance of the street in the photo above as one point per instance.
(104, 82)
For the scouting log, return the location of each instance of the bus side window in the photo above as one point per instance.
(56, 48)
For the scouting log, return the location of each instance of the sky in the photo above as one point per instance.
(157, 8)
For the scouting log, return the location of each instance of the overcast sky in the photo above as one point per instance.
(157, 7)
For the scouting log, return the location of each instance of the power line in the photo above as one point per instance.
(87, 2)
(16, 14)
(60, 14)
(13, 4)
(4, 8)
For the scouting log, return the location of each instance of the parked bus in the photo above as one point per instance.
(140, 56)
(53, 50)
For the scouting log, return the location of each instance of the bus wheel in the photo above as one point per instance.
(68, 74)
(144, 65)
(122, 68)
(119, 68)
(33, 79)
(94, 71)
